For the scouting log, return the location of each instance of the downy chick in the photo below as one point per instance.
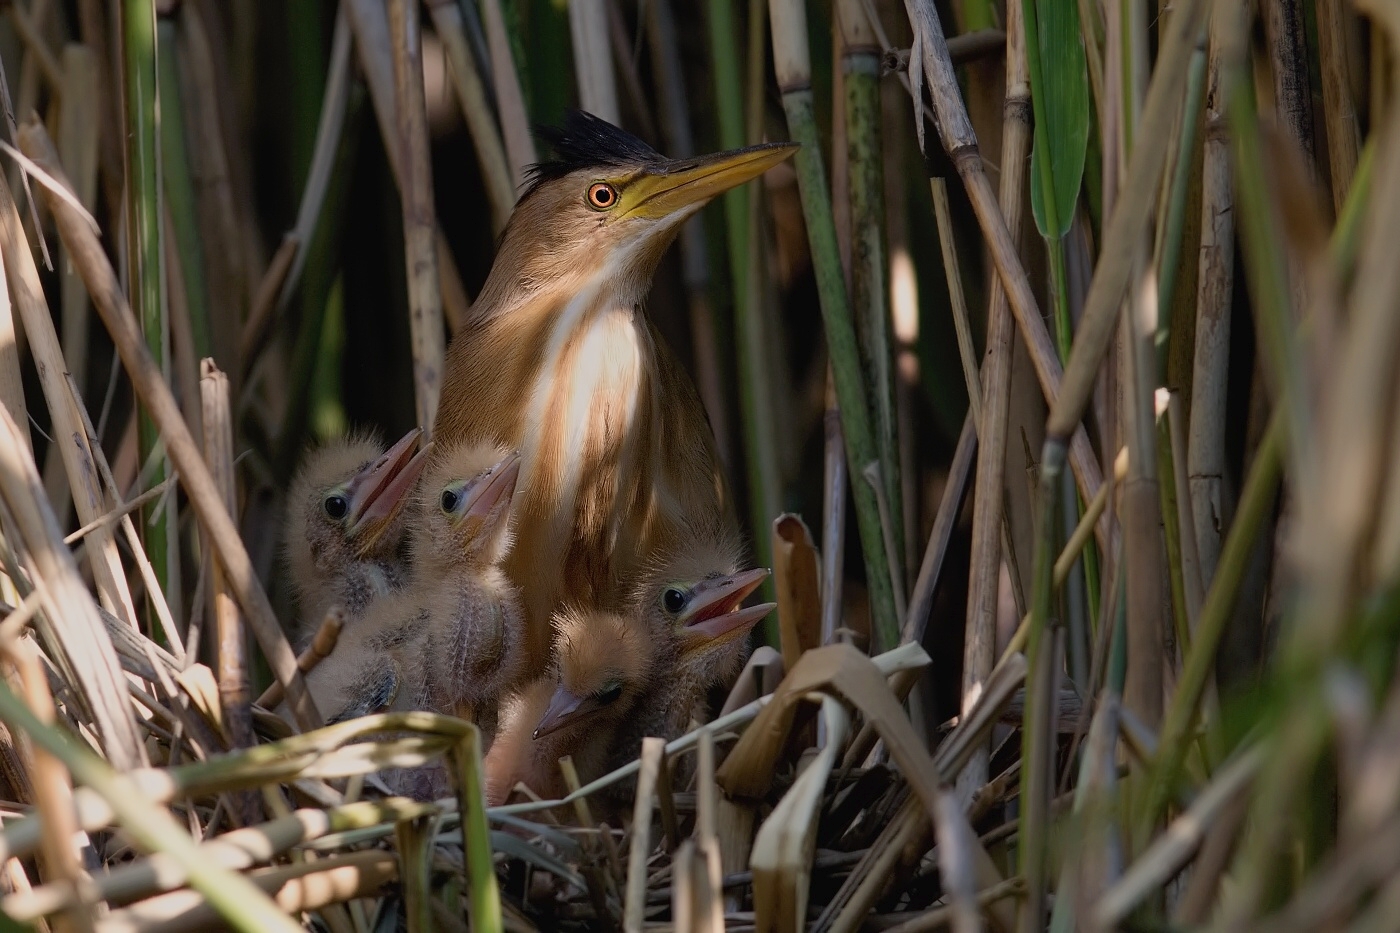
(451, 641)
(604, 663)
(345, 524)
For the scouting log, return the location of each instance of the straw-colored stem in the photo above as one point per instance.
(415, 845)
(510, 102)
(593, 66)
(794, 74)
(235, 690)
(1339, 111)
(476, 109)
(484, 897)
(419, 222)
(86, 252)
(988, 519)
(236, 899)
(939, 539)
(143, 213)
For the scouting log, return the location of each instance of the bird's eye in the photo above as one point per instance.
(673, 600)
(602, 196)
(335, 507)
(609, 694)
(450, 498)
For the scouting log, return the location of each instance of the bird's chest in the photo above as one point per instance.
(586, 408)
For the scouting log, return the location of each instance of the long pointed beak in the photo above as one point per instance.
(564, 708)
(672, 186)
(723, 629)
(714, 613)
(379, 491)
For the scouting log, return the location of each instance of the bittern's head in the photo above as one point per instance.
(463, 514)
(696, 592)
(604, 662)
(346, 503)
(609, 204)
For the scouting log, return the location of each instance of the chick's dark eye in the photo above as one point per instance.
(450, 498)
(608, 694)
(335, 507)
(602, 196)
(673, 600)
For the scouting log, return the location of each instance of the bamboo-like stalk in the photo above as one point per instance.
(143, 212)
(419, 223)
(674, 116)
(415, 845)
(1339, 111)
(86, 252)
(793, 64)
(1215, 284)
(979, 645)
(834, 485)
(869, 269)
(476, 109)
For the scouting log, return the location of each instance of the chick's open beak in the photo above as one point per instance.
(714, 614)
(565, 707)
(379, 491)
(491, 488)
(665, 188)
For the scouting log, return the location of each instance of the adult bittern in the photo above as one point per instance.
(558, 361)
(344, 529)
(450, 641)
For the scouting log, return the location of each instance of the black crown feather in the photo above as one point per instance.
(586, 141)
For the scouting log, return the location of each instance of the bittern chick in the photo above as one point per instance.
(345, 523)
(451, 641)
(604, 663)
(558, 360)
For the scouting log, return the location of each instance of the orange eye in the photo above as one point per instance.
(602, 196)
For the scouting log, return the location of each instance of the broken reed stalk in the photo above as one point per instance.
(1215, 288)
(235, 687)
(419, 220)
(979, 645)
(869, 269)
(960, 142)
(143, 215)
(205, 498)
(793, 63)
(476, 110)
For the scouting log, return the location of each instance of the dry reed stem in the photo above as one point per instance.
(258, 327)
(322, 644)
(797, 583)
(1343, 134)
(639, 848)
(419, 219)
(86, 252)
(955, 863)
(476, 110)
(73, 632)
(593, 66)
(11, 383)
(510, 102)
(941, 535)
(961, 144)
(71, 440)
(1129, 218)
(295, 889)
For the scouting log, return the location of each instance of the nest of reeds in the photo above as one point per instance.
(1165, 697)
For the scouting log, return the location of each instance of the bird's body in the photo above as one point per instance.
(344, 531)
(451, 641)
(559, 361)
(681, 633)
